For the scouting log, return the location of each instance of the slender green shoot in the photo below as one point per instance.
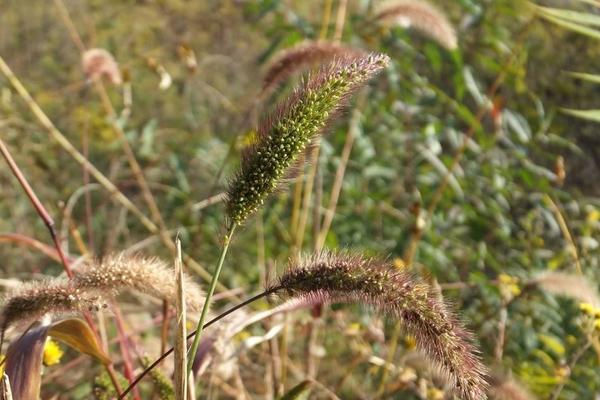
(211, 289)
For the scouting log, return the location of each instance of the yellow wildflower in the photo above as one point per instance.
(597, 325)
(52, 353)
(587, 308)
(507, 279)
(3, 362)
(515, 290)
(509, 285)
(593, 216)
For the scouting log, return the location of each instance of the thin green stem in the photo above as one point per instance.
(209, 295)
(209, 323)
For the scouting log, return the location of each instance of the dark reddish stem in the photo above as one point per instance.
(39, 207)
(125, 344)
(49, 222)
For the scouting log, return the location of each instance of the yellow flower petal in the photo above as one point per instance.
(52, 353)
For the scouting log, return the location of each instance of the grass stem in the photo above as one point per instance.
(209, 294)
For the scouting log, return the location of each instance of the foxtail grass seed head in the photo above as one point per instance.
(31, 301)
(508, 388)
(421, 16)
(352, 278)
(98, 63)
(301, 56)
(86, 289)
(147, 275)
(295, 123)
(576, 287)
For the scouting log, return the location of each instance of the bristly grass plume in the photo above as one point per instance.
(423, 17)
(31, 301)
(98, 279)
(295, 123)
(148, 275)
(352, 278)
(98, 63)
(301, 56)
(508, 388)
(576, 287)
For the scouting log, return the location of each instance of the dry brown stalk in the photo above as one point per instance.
(180, 378)
(103, 180)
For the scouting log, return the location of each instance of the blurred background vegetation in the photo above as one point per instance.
(524, 198)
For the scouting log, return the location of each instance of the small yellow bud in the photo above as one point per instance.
(399, 263)
(435, 394)
(353, 329)
(410, 342)
(52, 353)
(587, 308)
(562, 372)
(515, 289)
(506, 279)
(597, 325)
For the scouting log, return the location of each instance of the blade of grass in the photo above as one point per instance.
(209, 295)
(595, 78)
(180, 378)
(590, 115)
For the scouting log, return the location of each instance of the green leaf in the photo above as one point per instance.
(297, 391)
(552, 344)
(593, 33)
(572, 16)
(591, 2)
(77, 334)
(586, 77)
(591, 115)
